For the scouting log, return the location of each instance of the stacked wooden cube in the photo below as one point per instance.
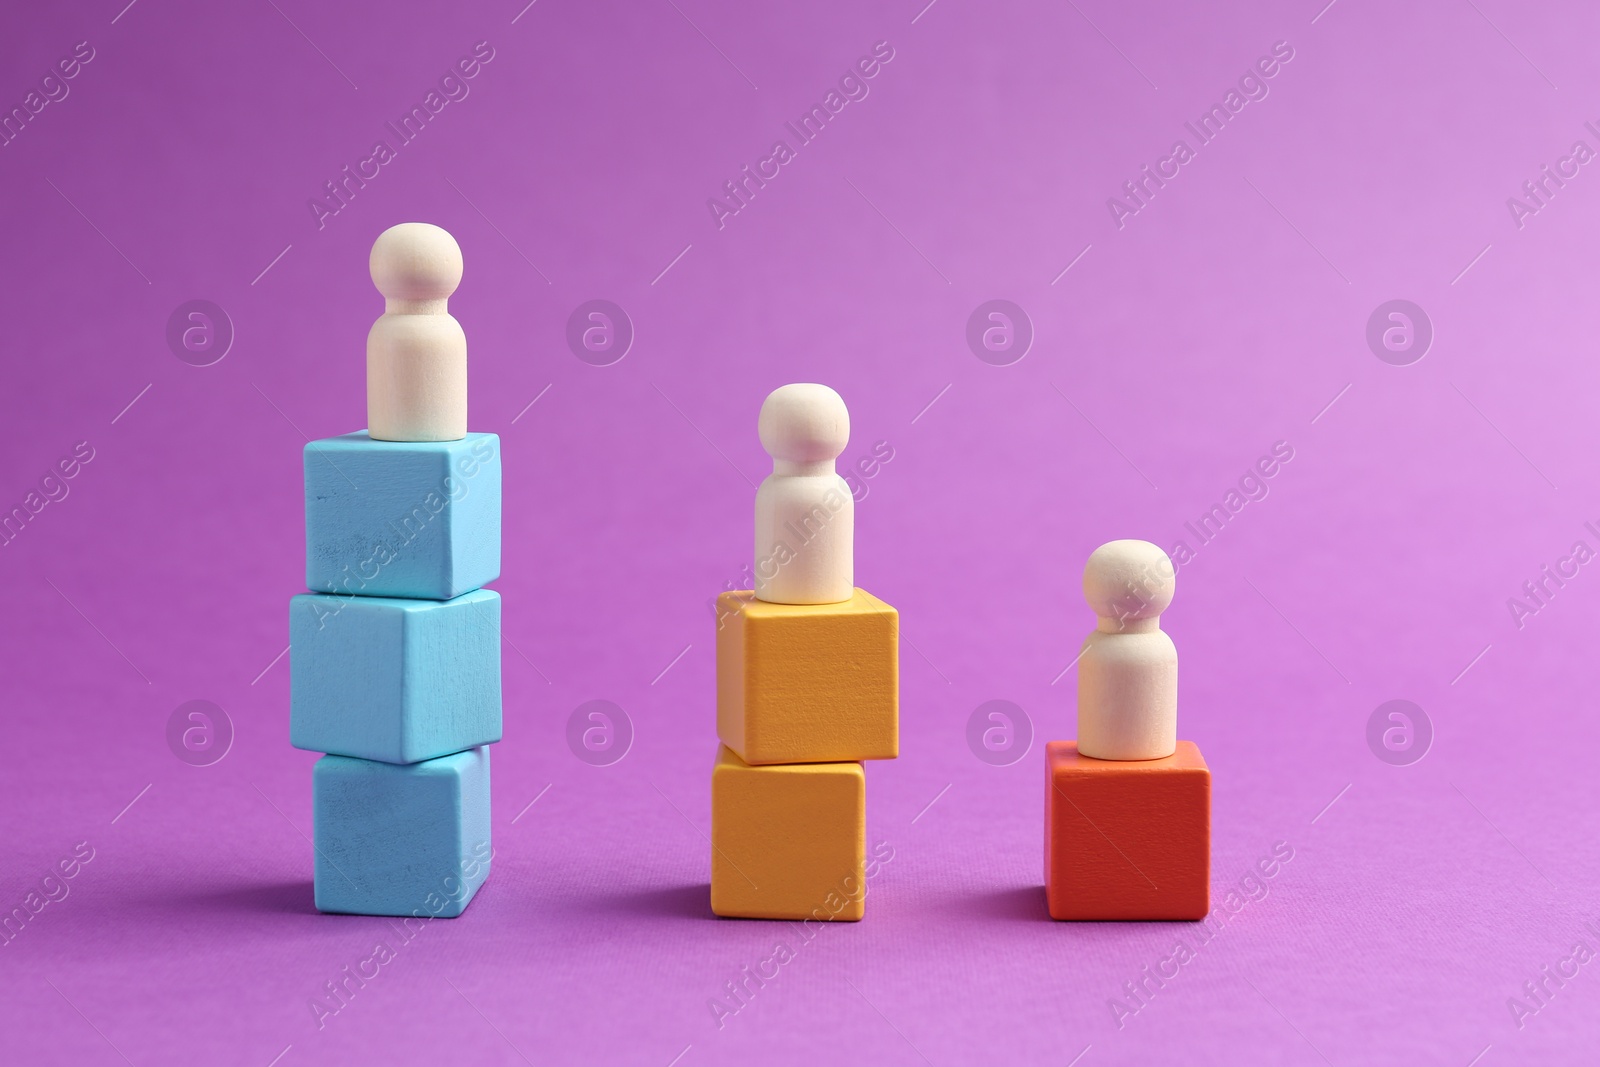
(808, 686)
(395, 656)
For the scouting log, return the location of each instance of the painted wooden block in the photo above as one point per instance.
(394, 680)
(401, 840)
(402, 518)
(1127, 839)
(788, 841)
(808, 683)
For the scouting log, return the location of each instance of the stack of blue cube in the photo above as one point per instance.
(395, 663)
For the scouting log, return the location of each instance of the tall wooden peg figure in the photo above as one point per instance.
(416, 352)
(805, 513)
(1128, 668)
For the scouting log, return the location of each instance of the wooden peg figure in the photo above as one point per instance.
(1128, 668)
(416, 352)
(805, 514)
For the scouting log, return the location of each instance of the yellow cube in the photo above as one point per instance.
(808, 683)
(788, 841)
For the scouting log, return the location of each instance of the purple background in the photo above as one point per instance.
(1226, 315)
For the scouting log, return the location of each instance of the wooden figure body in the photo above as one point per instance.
(1128, 669)
(805, 513)
(417, 351)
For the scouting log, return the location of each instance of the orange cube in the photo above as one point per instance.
(808, 683)
(788, 841)
(1127, 839)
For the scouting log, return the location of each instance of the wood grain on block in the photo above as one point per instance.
(808, 683)
(381, 678)
(402, 519)
(1127, 839)
(401, 840)
(1128, 667)
(788, 841)
(805, 513)
(417, 351)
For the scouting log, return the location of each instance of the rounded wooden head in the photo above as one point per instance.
(1128, 580)
(415, 261)
(804, 423)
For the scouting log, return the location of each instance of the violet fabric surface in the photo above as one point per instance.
(1171, 335)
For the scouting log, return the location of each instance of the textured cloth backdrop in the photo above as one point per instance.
(1199, 217)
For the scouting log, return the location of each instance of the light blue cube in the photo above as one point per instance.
(391, 840)
(402, 518)
(395, 680)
